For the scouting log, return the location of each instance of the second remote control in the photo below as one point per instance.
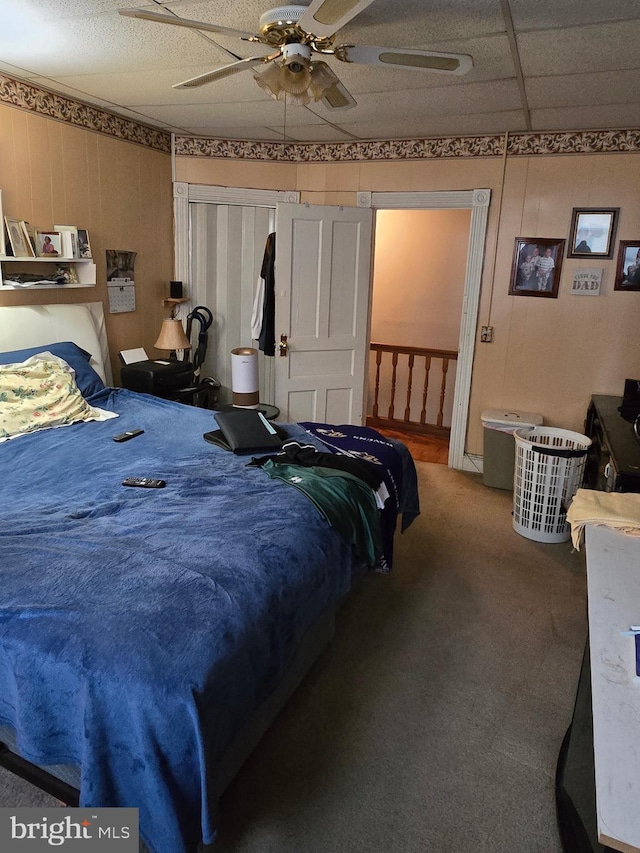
(144, 482)
(125, 436)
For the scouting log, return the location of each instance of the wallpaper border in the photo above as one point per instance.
(18, 93)
(565, 142)
(27, 96)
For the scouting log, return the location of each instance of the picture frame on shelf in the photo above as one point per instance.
(84, 247)
(20, 245)
(628, 266)
(30, 234)
(69, 236)
(48, 244)
(536, 268)
(593, 231)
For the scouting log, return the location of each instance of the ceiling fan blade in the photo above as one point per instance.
(413, 60)
(145, 15)
(325, 17)
(338, 98)
(224, 71)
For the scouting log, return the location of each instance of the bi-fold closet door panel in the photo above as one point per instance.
(227, 248)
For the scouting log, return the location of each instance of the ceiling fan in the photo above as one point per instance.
(296, 34)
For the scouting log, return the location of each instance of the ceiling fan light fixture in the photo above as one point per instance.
(322, 79)
(294, 81)
(281, 84)
(268, 79)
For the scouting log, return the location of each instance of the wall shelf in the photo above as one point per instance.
(174, 303)
(84, 267)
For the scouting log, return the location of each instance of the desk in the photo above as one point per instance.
(598, 781)
(613, 463)
(613, 587)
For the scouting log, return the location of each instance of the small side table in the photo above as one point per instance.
(160, 377)
(270, 412)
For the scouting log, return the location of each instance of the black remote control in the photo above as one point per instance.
(125, 436)
(144, 482)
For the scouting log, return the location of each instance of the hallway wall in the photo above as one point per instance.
(420, 260)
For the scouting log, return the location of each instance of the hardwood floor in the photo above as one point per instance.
(424, 448)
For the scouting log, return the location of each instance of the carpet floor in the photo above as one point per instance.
(434, 719)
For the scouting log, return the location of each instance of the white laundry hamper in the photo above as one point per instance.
(549, 468)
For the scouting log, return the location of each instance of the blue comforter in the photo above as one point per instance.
(140, 628)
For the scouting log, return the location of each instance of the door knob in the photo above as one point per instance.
(283, 346)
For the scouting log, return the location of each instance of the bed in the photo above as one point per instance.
(149, 636)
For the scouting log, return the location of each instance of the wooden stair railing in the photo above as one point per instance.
(406, 422)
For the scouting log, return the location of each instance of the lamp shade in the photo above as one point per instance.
(172, 336)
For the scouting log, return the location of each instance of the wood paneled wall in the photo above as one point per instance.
(52, 172)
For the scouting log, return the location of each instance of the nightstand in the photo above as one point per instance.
(162, 378)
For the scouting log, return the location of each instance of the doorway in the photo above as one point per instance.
(419, 272)
(476, 200)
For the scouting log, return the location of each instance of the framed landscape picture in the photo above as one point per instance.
(537, 262)
(593, 231)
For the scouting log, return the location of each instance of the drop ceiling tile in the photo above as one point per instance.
(460, 125)
(317, 133)
(413, 22)
(260, 134)
(574, 90)
(580, 49)
(156, 87)
(550, 14)
(425, 103)
(591, 118)
(102, 44)
(267, 113)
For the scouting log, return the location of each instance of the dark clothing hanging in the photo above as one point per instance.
(267, 339)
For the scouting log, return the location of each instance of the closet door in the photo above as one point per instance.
(323, 285)
(228, 242)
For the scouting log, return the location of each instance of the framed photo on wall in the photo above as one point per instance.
(593, 232)
(628, 268)
(537, 262)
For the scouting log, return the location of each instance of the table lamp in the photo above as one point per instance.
(172, 336)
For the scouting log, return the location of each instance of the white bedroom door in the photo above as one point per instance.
(323, 287)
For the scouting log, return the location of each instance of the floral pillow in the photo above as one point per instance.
(39, 393)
